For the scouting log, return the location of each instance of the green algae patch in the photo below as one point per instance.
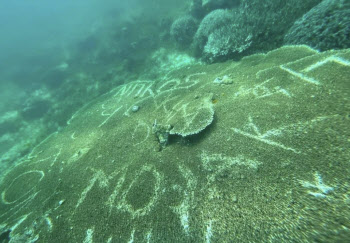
(263, 157)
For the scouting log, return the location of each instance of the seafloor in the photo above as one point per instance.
(260, 155)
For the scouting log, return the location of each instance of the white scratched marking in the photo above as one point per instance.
(263, 137)
(73, 136)
(300, 75)
(168, 83)
(89, 235)
(209, 232)
(98, 176)
(188, 78)
(122, 90)
(261, 91)
(19, 222)
(183, 210)
(283, 91)
(147, 89)
(121, 197)
(115, 193)
(141, 124)
(263, 140)
(140, 88)
(335, 59)
(56, 157)
(319, 185)
(208, 159)
(3, 194)
(77, 112)
(259, 73)
(149, 236)
(131, 240)
(16, 208)
(31, 156)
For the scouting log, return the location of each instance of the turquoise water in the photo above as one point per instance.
(186, 121)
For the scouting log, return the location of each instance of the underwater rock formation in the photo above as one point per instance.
(214, 20)
(183, 29)
(238, 30)
(324, 27)
(216, 4)
(270, 169)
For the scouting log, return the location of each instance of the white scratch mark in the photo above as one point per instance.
(89, 235)
(104, 122)
(300, 75)
(335, 59)
(318, 185)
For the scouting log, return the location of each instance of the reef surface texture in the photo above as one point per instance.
(263, 159)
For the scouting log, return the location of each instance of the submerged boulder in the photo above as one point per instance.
(211, 22)
(234, 32)
(324, 27)
(183, 29)
(276, 159)
(222, 33)
(216, 4)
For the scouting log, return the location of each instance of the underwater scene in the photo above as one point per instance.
(175, 121)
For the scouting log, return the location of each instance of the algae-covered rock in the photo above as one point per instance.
(273, 168)
(324, 27)
(183, 29)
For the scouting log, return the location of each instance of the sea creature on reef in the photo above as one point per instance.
(162, 134)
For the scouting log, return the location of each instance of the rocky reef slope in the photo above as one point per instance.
(259, 155)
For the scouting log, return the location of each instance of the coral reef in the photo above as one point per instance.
(192, 117)
(324, 27)
(221, 34)
(238, 31)
(282, 125)
(214, 20)
(183, 29)
(222, 44)
(219, 4)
